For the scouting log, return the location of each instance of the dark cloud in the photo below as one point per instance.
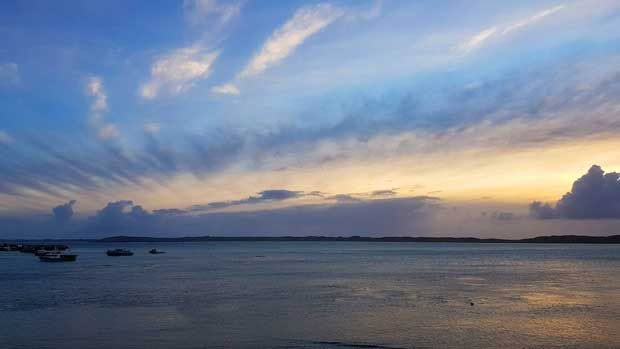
(344, 198)
(63, 213)
(121, 217)
(388, 192)
(169, 211)
(402, 216)
(596, 195)
(502, 216)
(542, 210)
(378, 217)
(263, 196)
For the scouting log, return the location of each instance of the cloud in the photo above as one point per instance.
(542, 211)
(226, 89)
(152, 128)
(169, 211)
(404, 216)
(388, 192)
(63, 213)
(108, 131)
(480, 38)
(5, 138)
(200, 12)
(178, 71)
(506, 114)
(344, 198)
(95, 89)
(306, 22)
(9, 74)
(121, 217)
(477, 39)
(531, 20)
(502, 216)
(263, 196)
(596, 195)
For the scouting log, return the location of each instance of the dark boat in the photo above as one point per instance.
(119, 252)
(58, 257)
(156, 251)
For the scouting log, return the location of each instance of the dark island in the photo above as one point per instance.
(554, 239)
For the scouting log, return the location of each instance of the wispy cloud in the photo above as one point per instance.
(198, 12)
(152, 128)
(477, 39)
(306, 22)
(95, 89)
(9, 73)
(226, 89)
(483, 36)
(531, 20)
(178, 71)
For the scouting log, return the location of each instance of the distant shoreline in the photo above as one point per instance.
(555, 239)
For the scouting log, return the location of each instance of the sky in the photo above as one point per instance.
(211, 117)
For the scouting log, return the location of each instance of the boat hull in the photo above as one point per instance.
(58, 258)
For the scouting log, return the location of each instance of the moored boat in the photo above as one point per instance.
(156, 251)
(119, 252)
(58, 257)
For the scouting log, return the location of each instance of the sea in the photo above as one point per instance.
(314, 295)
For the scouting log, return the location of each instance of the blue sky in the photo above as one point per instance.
(177, 104)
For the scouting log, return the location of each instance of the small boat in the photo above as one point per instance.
(119, 252)
(58, 257)
(156, 251)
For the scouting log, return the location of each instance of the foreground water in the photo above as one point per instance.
(314, 295)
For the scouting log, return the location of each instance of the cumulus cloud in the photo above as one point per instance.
(120, 217)
(199, 12)
(226, 89)
(306, 22)
(542, 210)
(178, 71)
(596, 195)
(9, 74)
(63, 213)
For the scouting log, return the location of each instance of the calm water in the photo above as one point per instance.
(314, 295)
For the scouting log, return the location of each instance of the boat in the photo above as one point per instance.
(119, 252)
(156, 251)
(57, 257)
